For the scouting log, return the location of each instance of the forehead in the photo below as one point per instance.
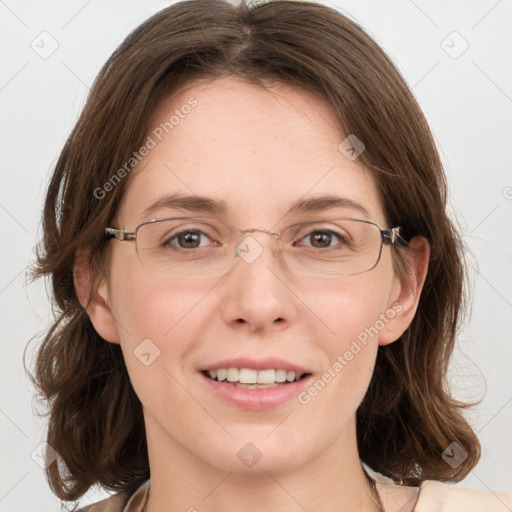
(257, 150)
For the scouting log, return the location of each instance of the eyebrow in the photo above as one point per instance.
(323, 203)
(203, 204)
(191, 203)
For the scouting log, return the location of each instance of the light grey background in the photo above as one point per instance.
(467, 98)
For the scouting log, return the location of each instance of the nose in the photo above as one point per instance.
(256, 294)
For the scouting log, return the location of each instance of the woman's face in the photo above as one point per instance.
(257, 152)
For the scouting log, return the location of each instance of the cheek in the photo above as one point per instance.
(157, 323)
(158, 328)
(352, 315)
(350, 307)
(145, 305)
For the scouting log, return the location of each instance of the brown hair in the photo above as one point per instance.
(407, 417)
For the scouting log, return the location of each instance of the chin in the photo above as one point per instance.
(256, 454)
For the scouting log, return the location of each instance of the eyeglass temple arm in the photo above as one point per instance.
(119, 234)
(393, 236)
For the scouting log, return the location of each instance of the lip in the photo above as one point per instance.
(257, 364)
(255, 399)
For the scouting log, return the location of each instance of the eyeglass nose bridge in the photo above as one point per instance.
(252, 230)
(248, 251)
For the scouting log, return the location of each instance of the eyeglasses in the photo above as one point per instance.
(201, 247)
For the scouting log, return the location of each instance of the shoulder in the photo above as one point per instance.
(114, 503)
(444, 497)
(433, 496)
(121, 502)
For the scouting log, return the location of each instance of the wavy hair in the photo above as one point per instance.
(408, 417)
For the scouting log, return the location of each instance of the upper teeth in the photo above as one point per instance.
(249, 376)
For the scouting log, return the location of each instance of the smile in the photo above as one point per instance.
(254, 379)
(255, 396)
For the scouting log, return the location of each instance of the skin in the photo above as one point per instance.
(260, 150)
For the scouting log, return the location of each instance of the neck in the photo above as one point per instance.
(334, 480)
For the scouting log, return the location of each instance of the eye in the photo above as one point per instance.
(186, 239)
(324, 238)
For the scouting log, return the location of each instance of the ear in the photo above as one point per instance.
(92, 292)
(406, 292)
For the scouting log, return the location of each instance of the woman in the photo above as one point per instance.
(258, 283)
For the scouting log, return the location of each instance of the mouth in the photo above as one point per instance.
(248, 378)
(255, 384)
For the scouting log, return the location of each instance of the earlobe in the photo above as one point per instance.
(406, 297)
(93, 297)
